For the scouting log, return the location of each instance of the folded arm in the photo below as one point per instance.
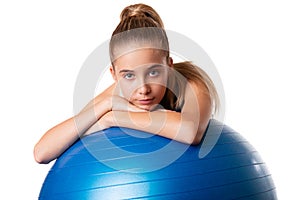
(187, 126)
(56, 140)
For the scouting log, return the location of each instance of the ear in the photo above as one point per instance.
(113, 73)
(170, 61)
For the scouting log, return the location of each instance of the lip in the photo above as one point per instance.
(145, 101)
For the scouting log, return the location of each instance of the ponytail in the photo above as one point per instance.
(184, 72)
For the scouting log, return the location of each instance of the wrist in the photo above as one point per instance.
(108, 119)
(101, 108)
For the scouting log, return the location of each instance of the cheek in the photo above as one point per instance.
(126, 89)
(158, 90)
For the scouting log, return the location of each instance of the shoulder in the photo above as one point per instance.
(198, 88)
(197, 96)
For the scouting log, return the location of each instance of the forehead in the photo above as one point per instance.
(138, 58)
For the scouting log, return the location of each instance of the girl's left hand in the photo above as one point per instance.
(105, 122)
(121, 104)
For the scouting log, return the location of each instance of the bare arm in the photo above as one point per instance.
(56, 140)
(165, 123)
(188, 126)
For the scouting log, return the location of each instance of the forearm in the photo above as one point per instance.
(168, 124)
(56, 140)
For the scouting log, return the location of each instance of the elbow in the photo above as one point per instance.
(198, 135)
(191, 134)
(39, 155)
(191, 141)
(194, 140)
(197, 132)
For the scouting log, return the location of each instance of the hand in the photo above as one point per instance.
(119, 103)
(105, 122)
(112, 100)
(122, 104)
(103, 99)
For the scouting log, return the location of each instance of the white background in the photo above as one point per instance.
(254, 44)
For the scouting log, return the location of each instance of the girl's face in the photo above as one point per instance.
(142, 76)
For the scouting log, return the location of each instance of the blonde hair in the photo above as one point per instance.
(140, 25)
(189, 72)
(138, 16)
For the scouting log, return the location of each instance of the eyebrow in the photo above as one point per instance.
(125, 71)
(151, 67)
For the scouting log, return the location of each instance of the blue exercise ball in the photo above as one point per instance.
(121, 163)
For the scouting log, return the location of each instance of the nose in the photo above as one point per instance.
(144, 89)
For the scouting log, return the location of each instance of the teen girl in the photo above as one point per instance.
(150, 93)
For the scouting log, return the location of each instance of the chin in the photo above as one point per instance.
(147, 107)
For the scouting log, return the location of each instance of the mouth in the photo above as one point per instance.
(146, 101)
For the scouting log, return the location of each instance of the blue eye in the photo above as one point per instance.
(129, 76)
(154, 73)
